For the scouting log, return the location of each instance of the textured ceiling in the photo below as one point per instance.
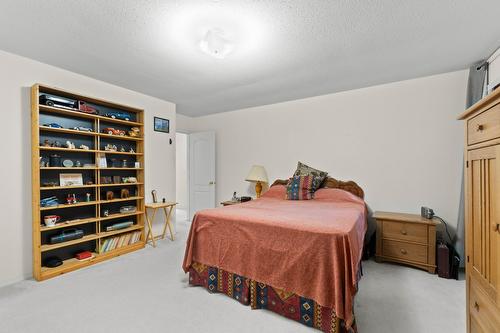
(283, 49)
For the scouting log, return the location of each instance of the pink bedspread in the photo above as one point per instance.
(310, 247)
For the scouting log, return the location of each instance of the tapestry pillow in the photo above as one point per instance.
(305, 170)
(300, 188)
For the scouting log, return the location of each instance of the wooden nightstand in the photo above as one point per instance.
(406, 238)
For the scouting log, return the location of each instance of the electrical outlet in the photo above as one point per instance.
(427, 212)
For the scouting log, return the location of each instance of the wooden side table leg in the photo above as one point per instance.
(150, 227)
(168, 222)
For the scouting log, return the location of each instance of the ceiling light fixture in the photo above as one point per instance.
(215, 43)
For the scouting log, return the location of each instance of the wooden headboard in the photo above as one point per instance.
(330, 182)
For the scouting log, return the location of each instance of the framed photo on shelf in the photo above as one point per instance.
(71, 179)
(103, 163)
(162, 125)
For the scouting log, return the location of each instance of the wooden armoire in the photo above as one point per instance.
(482, 214)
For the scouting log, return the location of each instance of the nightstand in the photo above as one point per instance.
(406, 238)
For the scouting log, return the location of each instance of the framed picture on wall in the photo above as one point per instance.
(162, 125)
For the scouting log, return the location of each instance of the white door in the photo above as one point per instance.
(201, 172)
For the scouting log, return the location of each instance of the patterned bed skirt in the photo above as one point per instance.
(261, 296)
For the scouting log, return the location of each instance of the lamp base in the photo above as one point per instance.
(258, 189)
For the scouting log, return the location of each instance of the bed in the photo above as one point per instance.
(299, 258)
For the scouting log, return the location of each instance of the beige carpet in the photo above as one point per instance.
(147, 291)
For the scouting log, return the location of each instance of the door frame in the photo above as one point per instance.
(188, 203)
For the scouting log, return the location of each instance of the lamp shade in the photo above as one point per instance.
(257, 174)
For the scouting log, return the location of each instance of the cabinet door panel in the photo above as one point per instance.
(483, 238)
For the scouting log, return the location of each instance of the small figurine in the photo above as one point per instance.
(131, 150)
(78, 164)
(71, 199)
(46, 143)
(124, 193)
(129, 180)
(113, 131)
(110, 147)
(70, 145)
(134, 132)
(87, 196)
(84, 147)
(122, 149)
(124, 163)
(110, 195)
(105, 212)
(163, 200)
(57, 144)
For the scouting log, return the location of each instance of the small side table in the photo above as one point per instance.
(407, 239)
(167, 207)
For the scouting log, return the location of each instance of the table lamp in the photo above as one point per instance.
(258, 175)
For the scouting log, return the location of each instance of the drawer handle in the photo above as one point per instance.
(403, 251)
(476, 306)
(479, 128)
(403, 232)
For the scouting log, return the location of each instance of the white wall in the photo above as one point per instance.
(17, 75)
(400, 142)
(181, 170)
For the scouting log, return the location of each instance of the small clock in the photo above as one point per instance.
(68, 163)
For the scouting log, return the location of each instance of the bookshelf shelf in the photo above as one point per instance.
(63, 206)
(120, 137)
(74, 264)
(86, 216)
(71, 223)
(121, 200)
(115, 216)
(86, 238)
(76, 150)
(120, 231)
(120, 184)
(66, 131)
(46, 188)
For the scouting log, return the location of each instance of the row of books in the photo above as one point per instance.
(119, 241)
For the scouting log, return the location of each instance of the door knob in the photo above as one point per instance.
(479, 128)
(403, 251)
(496, 227)
(476, 306)
(403, 232)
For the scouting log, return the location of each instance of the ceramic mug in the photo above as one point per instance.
(51, 220)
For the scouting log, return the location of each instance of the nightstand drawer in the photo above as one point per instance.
(405, 251)
(405, 231)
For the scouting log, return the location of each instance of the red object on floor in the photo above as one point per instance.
(83, 255)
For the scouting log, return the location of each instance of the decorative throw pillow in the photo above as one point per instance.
(300, 188)
(305, 170)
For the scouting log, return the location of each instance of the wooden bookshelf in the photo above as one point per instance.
(89, 216)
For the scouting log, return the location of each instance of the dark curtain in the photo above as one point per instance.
(475, 86)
